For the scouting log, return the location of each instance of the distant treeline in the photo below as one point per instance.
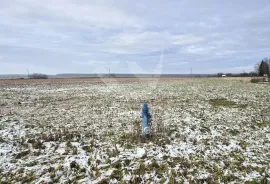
(38, 76)
(44, 76)
(122, 75)
(244, 74)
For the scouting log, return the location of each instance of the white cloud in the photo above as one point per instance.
(242, 69)
(178, 63)
(94, 14)
(186, 39)
(95, 63)
(225, 52)
(197, 49)
(145, 42)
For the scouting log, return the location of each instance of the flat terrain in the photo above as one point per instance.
(81, 80)
(214, 130)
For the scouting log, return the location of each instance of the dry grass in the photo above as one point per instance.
(82, 80)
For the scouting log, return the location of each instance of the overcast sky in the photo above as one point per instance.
(84, 36)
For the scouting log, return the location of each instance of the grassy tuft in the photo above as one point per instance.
(22, 154)
(116, 174)
(234, 132)
(103, 181)
(264, 124)
(222, 102)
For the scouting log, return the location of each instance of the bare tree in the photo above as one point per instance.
(257, 68)
(264, 68)
(267, 60)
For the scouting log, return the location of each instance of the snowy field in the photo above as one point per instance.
(204, 130)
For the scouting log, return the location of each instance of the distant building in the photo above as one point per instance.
(223, 75)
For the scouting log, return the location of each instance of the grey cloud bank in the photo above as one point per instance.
(128, 36)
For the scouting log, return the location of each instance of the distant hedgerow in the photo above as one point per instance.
(38, 76)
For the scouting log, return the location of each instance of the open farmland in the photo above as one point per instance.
(88, 131)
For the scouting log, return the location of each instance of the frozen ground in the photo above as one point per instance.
(204, 130)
